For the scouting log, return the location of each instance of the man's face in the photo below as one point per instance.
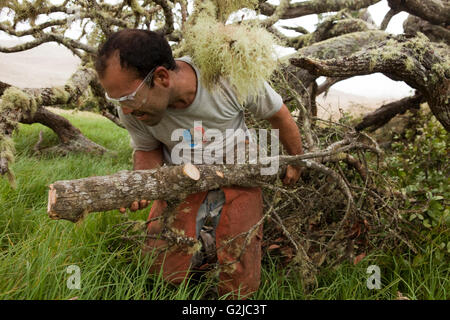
(146, 104)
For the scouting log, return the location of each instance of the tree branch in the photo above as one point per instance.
(435, 11)
(73, 199)
(384, 114)
(411, 60)
(300, 9)
(387, 18)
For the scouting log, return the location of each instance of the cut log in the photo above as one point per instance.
(72, 199)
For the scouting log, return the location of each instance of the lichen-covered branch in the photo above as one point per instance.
(414, 61)
(300, 9)
(334, 26)
(28, 106)
(167, 9)
(435, 11)
(50, 37)
(435, 33)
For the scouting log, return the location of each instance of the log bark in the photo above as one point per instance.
(72, 199)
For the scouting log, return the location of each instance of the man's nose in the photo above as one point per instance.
(126, 110)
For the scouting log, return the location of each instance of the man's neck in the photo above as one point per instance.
(185, 87)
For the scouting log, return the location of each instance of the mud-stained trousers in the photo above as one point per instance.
(240, 271)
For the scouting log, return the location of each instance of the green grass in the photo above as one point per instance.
(35, 251)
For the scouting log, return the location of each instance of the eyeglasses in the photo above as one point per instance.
(130, 100)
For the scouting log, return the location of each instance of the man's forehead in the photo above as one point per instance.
(113, 66)
(113, 63)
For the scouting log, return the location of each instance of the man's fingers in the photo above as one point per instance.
(292, 175)
(287, 180)
(134, 206)
(143, 204)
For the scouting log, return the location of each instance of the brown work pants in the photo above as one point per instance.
(241, 211)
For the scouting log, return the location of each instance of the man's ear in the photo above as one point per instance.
(161, 76)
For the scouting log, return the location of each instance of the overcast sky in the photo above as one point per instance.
(372, 86)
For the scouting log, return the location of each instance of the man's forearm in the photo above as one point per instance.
(146, 160)
(289, 134)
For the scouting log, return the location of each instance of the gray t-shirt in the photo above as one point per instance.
(203, 126)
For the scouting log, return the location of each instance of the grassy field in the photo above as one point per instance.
(35, 252)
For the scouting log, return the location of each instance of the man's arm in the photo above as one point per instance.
(290, 138)
(145, 160)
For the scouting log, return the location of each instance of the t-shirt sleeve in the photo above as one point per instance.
(140, 137)
(265, 104)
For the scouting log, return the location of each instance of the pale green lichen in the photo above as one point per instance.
(7, 149)
(409, 64)
(243, 54)
(420, 45)
(61, 95)
(440, 70)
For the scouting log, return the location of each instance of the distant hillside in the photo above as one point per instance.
(46, 65)
(356, 105)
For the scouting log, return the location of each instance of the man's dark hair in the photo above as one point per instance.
(139, 50)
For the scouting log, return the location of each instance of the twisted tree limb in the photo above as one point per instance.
(387, 18)
(300, 9)
(435, 33)
(384, 114)
(334, 26)
(412, 60)
(435, 11)
(28, 106)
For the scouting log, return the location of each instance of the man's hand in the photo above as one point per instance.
(292, 175)
(291, 139)
(136, 205)
(144, 160)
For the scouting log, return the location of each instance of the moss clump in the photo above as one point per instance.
(14, 98)
(244, 55)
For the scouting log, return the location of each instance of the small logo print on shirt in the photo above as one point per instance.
(193, 135)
